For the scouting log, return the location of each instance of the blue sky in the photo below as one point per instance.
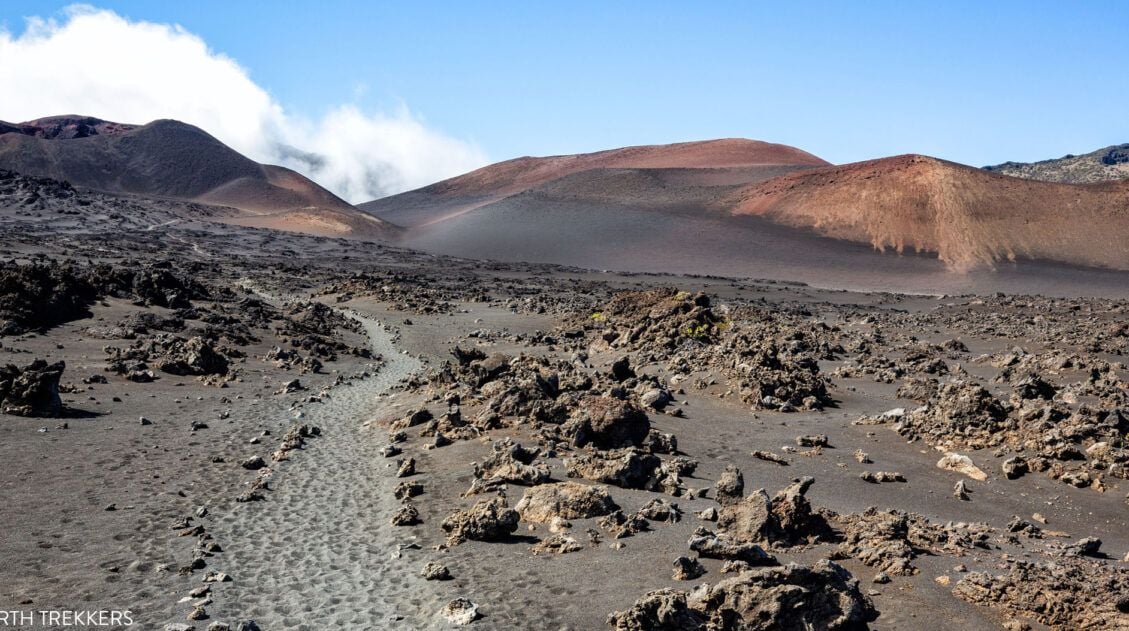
(975, 82)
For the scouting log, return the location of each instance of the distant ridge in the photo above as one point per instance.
(171, 159)
(1110, 163)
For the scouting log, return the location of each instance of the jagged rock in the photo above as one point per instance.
(567, 500)
(406, 468)
(621, 369)
(408, 515)
(32, 390)
(407, 490)
(254, 463)
(709, 514)
(486, 520)
(786, 519)
(730, 487)
(961, 464)
(814, 440)
(411, 419)
(194, 356)
(435, 572)
(1087, 546)
(660, 610)
(658, 442)
(687, 569)
(619, 525)
(768, 456)
(1014, 467)
(879, 539)
(660, 510)
(1071, 593)
(721, 546)
(627, 468)
(792, 598)
(460, 611)
(607, 423)
(511, 463)
(960, 491)
(557, 544)
(876, 477)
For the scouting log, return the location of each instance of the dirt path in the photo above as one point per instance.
(320, 552)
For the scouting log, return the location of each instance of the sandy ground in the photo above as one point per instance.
(318, 551)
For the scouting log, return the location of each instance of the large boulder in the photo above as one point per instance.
(567, 500)
(627, 468)
(730, 487)
(791, 598)
(608, 423)
(32, 390)
(785, 519)
(194, 356)
(511, 463)
(660, 610)
(487, 520)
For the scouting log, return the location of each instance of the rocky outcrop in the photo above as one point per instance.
(486, 520)
(566, 500)
(608, 423)
(791, 598)
(32, 390)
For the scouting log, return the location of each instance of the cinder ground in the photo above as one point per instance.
(318, 551)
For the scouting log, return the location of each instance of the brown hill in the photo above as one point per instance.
(732, 160)
(967, 216)
(174, 160)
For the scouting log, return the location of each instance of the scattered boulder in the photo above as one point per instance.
(407, 515)
(730, 487)
(608, 423)
(254, 463)
(486, 520)
(786, 519)
(435, 572)
(559, 543)
(791, 598)
(721, 546)
(627, 468)
(961, 464)
(567, 500)
(1014, 467)
(511, 463)
(660, 610)
(687, 569)
(406, 468)
(32, 390)
(460, 612)
(1071, 593)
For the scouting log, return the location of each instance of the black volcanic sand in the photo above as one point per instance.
(687, 239)
(316, 549)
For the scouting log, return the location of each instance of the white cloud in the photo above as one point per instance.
(95, 62)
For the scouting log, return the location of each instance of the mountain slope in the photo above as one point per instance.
(1110, 163)
(737, 160)
(968, 216)
(170, 159)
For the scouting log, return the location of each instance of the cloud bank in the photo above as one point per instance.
(95, 62)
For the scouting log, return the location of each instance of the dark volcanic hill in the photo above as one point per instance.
(727, 161)
(173, 160)
(775, 212)
(1110, 163)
